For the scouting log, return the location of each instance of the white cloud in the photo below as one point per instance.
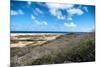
(34, 12)
(14, 12)
(68, 6)
(55, 6)
(59, 15)
(59, 6)
(42, 23)
(55, 10)
(85, 8)
(38, 10)
(70, 25)
(69, 18)
(37, 22)
(29, 3)
(74, 11)
(19, 12)
(33, 17)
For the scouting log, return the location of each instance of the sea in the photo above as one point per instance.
(14, 33)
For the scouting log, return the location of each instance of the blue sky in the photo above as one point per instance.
(44, 16)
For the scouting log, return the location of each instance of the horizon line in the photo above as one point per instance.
(47, 31)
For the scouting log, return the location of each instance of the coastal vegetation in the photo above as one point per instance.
(64, 49)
